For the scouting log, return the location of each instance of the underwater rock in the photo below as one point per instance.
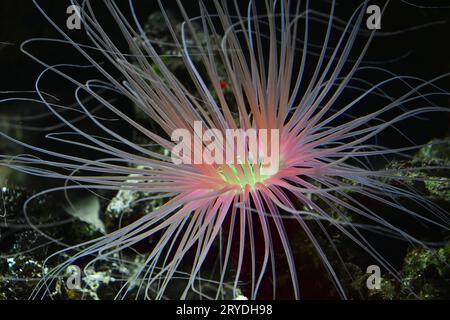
(28, 237)
(127, 206)
(425, 275)
(99, 282)
(424, 272)
(87, 209)
(23, 248)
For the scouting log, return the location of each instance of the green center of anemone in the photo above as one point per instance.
(243, 174)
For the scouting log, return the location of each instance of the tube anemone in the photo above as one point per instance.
(278, 76)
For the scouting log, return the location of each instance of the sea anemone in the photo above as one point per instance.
(257, 67)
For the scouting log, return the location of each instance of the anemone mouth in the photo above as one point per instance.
(244, 175)
(255, 157)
